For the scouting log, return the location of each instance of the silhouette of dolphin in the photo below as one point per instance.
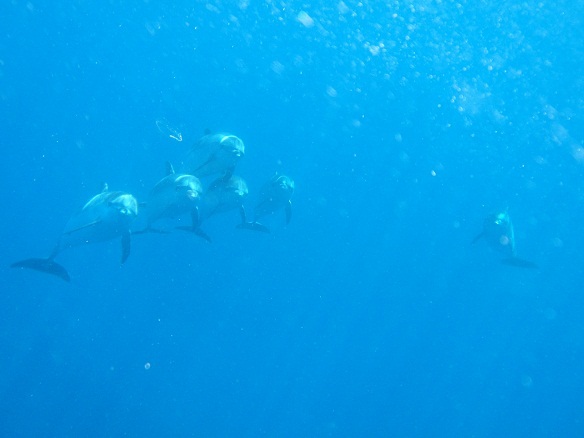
(499, 234)
(172, 196)
(104, 217)
(214, 154)
(223, 195)
(274, 196)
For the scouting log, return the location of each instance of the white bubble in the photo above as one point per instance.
(147, 366)
(331, 91)
(374, 50)
(342, 7)
(305, 19)
(277, 67)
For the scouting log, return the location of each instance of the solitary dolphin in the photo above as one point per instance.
(499, 233)
(222, 195)
(172, 196)
(274, 196)
(106, 216)
(214, 154)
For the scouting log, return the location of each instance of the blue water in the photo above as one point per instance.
(403, 124)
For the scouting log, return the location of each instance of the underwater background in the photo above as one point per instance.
(403, 124)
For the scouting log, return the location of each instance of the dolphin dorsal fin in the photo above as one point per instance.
(105, 187)
(207, 131)
(169, 168)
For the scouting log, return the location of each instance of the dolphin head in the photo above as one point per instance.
(189, 186)
(233, 144)
(235, 185)
(280, 185)
(502, 219)
(125, 204)
(498, 229)
(238, 186)
(286, 184)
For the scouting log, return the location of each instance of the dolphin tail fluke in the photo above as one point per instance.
(197, 231)
(477, 238)
(519, 263)
(43, 265)
(255, 226)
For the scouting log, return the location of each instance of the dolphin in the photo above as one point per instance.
(221, 196)
(499, 234)
(275, 195)
(172, 196)
(106, 216)
(214, 154)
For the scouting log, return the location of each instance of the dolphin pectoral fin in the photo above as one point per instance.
(255, 226)
(196, 228)
(195, 218)
(197, 231)
(125, 246)
(242, 214)
(43, 265)
(288, 212)
(477, 238)
(519, 263)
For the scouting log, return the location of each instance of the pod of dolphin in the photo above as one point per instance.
(110, 214)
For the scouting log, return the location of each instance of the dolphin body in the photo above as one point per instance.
(214, 154)
(499, 234)
(104, 217)
(221, 196)
(174, 195)
(275, 195)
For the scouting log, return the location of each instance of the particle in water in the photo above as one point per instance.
(305, 19)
